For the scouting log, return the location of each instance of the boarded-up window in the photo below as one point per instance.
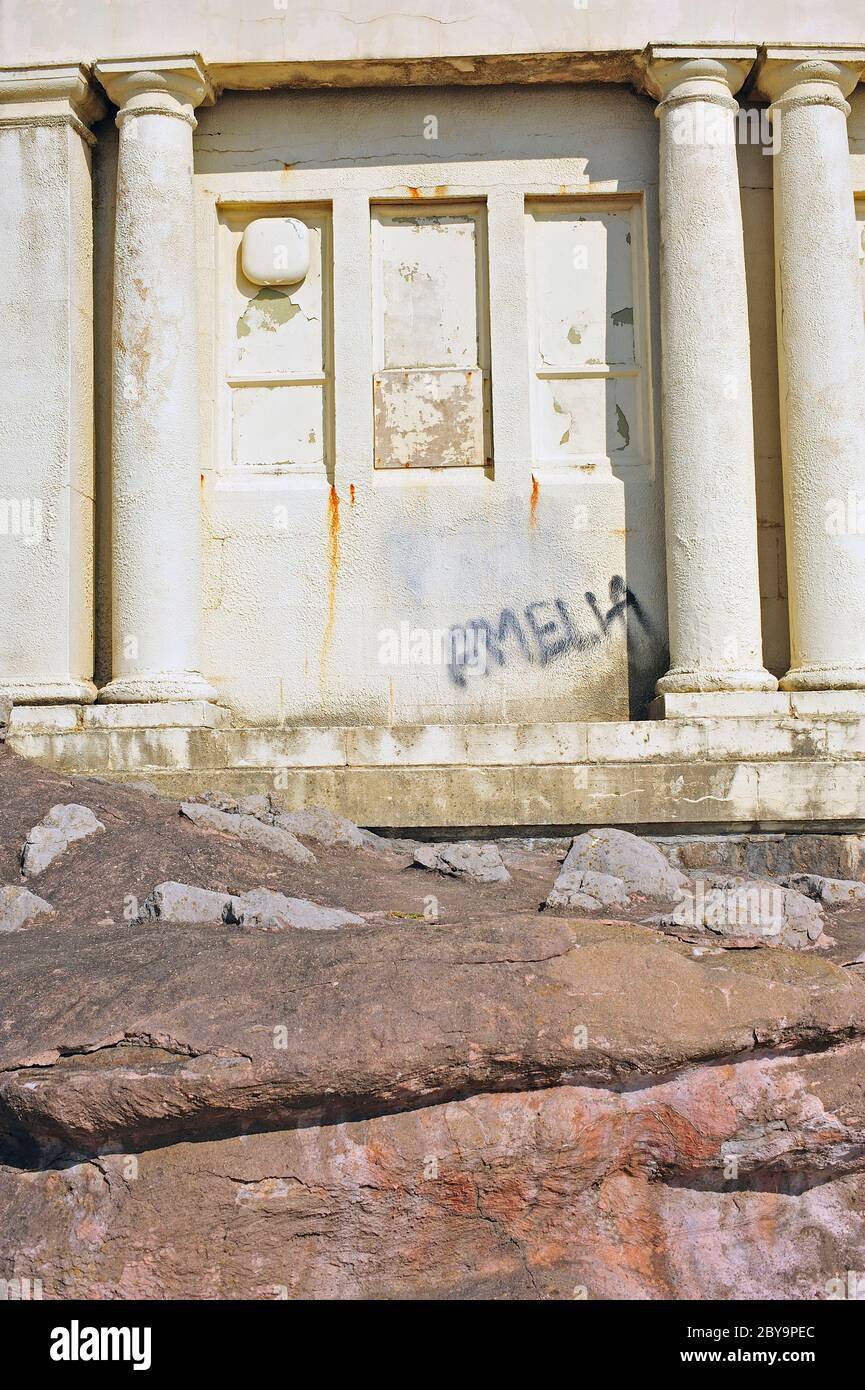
(277, 356)
(588, 322)
(431, 386)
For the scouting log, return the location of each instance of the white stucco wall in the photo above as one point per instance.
(296, 612)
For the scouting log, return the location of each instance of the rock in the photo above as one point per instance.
(59, 828)
(275, 840)
(258, 805)
(573, 898)
(743, 907)
(43, 845)
(219, 800)
(769, 855)
(339, 1024)
(328, 828)
(580, 887)
(638, 862)
(269, 911)
(19, 907)
(251, 831)
(206, 817)
(463, 859)
(5, 716)
(831, 892)
(148, 788)
(183, 902)
(611, 1181)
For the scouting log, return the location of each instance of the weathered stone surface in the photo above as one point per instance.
(43, 845)
(249, 829)
(59, 828)
(831, 892)
(158, 1036)
(577, 1190)
(258, 805)
(769, 855)
(743, 907)
(19, 908)
(183, 902)
(328, 828)
(219, 800)
(463, 860)
(269, 911)
(639, 863)
(578, 888)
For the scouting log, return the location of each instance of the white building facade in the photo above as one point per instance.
(455, 418)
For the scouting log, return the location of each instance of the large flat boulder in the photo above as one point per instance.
(734, 1181)
(141, 1035)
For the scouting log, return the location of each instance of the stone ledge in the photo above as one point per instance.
(733, 772)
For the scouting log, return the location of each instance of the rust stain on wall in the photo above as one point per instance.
(533, 503)
(332, 576)
(351, 494)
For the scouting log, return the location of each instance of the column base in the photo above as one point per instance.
(157, 687)
(48, 692)
(824, 678)
(702, 680)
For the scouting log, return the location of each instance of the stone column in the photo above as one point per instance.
(709, 492)
(46, 384)
(156, 508)
(821, 355)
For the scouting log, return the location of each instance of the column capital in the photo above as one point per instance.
(51, 94)
(678, 72)
(170, 85)
(808, 76)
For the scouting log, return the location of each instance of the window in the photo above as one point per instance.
(591, 395)
(432, 380)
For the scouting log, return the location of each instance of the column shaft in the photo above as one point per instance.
(46, 385)
(821, 343)
(709, 494)
(156, 546)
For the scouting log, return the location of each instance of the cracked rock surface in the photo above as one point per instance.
(494, 1102)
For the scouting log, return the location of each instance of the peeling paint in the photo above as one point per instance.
(620, 317)
(623, 427)
(267, 310)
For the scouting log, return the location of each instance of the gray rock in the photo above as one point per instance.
(639, 863)
(219, 800)
(583, 902)
(464, 859)
(757, 908)
(207, 817)
(59, 828)
(19, 907)
(275, 840)
(258, 805)
(328, 828)
(573, 886)
(184, 902)
(831, 892)
(265, 910)
(251, 831)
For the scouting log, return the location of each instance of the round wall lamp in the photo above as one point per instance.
(275, 251)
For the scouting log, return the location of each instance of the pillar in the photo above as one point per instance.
(46, 384)
(709, 484)
(821, 351)
(156, 508)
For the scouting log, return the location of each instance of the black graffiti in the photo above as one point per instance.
(543, 633)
